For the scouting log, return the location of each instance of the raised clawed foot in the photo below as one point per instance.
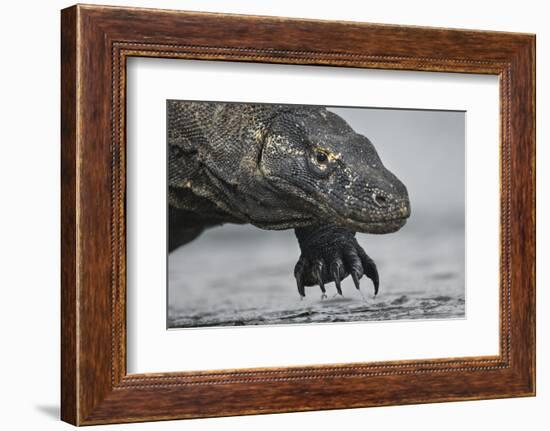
(331, 257)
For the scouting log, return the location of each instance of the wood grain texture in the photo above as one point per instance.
(69, 331)
(96, 41)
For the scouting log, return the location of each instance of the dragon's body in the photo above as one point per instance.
(282, 167)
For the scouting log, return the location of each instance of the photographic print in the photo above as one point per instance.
(298, 214)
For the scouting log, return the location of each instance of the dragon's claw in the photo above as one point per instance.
(331, 259)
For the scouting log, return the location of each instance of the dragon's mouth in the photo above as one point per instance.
(392, 222)
(395, 219)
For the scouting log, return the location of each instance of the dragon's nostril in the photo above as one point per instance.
(380, 200)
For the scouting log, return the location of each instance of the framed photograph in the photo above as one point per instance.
(264, 214)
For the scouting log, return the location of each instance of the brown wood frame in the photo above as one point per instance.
(95, 43)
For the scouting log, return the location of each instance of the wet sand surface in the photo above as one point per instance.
(240, 275)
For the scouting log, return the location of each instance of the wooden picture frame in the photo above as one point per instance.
(96, 41)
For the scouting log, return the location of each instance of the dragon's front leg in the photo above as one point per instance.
(331, 253)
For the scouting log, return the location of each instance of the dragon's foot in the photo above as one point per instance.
(325, 261)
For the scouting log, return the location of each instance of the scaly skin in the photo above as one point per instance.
(282, 167)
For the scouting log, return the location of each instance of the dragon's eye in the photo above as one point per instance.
(321, 157)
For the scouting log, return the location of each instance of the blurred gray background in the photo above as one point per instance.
(241, 275)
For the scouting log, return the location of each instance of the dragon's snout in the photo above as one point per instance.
(380, 208)
(384, 200)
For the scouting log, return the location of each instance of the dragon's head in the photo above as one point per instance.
(328, 172)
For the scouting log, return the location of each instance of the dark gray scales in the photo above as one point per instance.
(282, 167)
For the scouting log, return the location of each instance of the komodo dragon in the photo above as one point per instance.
(282, 167)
